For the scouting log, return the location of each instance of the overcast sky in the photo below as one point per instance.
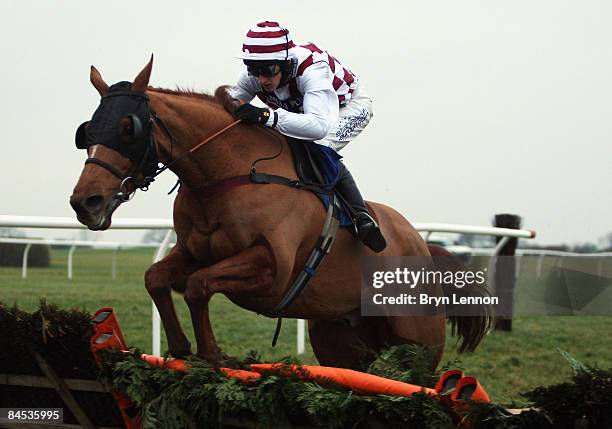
(480, 107)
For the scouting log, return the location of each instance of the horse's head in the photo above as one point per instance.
(121, 152)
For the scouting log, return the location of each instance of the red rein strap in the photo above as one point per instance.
(218, 133)
(193, 149)
(224, 185)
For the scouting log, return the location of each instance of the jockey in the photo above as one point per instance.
(311, 96)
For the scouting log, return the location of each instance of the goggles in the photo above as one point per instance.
(265, 70)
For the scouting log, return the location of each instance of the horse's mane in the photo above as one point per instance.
(221, 96)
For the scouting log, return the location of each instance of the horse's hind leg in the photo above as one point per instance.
(347, 343)
(243, 273)
(163, 276)
(428, 331)
(353, 345)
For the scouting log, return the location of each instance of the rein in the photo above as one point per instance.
(173, 139)
(232, 182)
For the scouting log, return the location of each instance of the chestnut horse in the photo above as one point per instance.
(250, 241)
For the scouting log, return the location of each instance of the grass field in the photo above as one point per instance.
(506, 363)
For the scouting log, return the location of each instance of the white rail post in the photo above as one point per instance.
(24, 264)
(70, 254)
(301, 328)
(159, 254)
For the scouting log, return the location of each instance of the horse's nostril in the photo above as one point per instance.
(93, 203)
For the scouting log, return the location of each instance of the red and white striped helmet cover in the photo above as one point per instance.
(268, 40)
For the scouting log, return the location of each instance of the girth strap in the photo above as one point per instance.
(321, 249)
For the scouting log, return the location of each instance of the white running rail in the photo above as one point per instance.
(71, 223)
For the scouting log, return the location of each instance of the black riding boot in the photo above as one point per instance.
(368, 231)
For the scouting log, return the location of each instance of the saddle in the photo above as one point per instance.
(317, 166)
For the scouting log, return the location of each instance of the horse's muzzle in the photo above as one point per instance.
(93, 210)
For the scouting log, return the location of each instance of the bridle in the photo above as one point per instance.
(139, 146)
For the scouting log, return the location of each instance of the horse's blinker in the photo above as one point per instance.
(81, 136)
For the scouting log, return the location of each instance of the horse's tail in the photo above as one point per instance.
(470, 329)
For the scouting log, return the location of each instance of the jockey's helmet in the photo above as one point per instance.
(265, 51)
(267, 41)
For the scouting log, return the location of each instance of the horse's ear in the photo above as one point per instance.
(96, 80)
(142, 80)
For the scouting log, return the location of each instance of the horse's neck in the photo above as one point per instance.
(191, 121)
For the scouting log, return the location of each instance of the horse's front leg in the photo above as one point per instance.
(245, 272)
(163, 276)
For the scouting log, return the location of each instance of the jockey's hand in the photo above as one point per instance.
(253, 115)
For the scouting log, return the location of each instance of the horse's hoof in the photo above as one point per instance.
(219, 359)
(230, 361)
(182, 351)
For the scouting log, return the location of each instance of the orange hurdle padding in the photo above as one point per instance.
(242, 375)
(465, 388)
(104, 340)
(448, 381)
(176, 364)
(181, 366)
(468, 388)
(104, 320)
(359, 382)
(107, 334)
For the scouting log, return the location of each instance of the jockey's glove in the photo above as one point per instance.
(253, 115)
